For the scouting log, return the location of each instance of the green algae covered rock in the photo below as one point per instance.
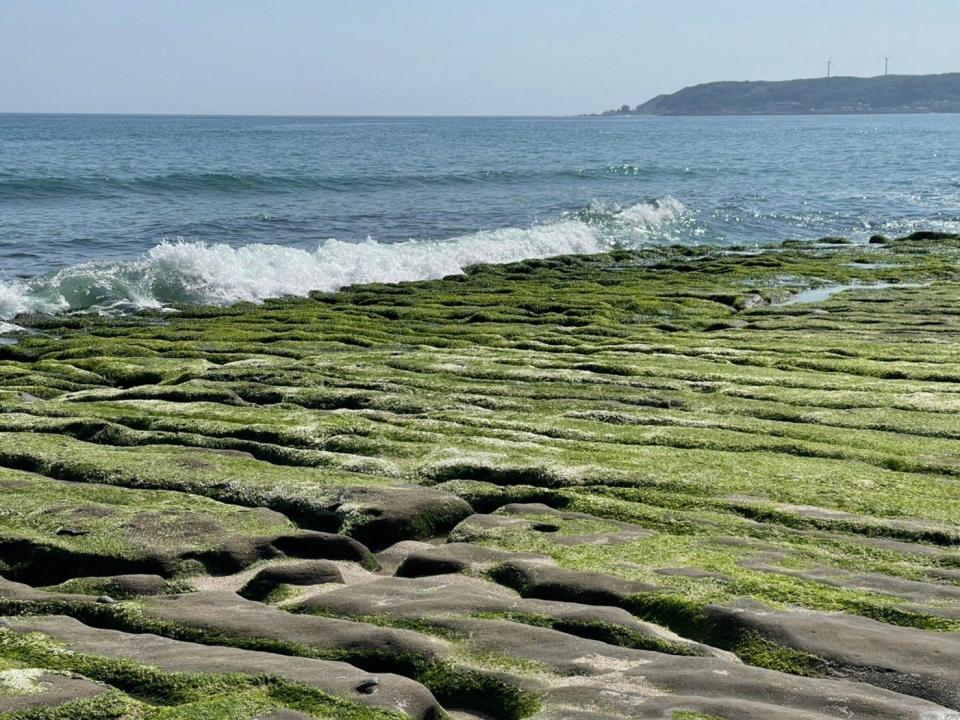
(677, 482)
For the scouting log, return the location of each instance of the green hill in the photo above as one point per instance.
(837, 95)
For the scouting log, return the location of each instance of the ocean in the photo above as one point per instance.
(116, 213)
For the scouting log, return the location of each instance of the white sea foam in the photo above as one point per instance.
(200, 273)
(18, 297)
(652, 215)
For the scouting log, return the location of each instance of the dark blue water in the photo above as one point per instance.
(118, 212)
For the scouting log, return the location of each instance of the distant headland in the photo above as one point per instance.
(814, 96)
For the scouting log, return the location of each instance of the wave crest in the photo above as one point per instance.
(197, 273)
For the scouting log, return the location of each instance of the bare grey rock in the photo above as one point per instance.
(337, 678)
(458, 558)
(547, 582)
(311, 572)
(226, 613)
(596, 677)
(918, 662)
(443, 596)
(29, 689)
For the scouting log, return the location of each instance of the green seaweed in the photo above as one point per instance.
(792, 454)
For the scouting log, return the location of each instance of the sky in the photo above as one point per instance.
(440, 57)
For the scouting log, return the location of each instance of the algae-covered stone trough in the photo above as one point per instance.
(671, 483)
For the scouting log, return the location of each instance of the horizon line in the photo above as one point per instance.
(282, 115)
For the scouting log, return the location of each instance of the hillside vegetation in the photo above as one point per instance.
(836, 95)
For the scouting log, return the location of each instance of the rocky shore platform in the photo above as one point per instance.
(681, 483)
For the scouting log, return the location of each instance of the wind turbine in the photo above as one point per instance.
(829, 65)
(886, 64)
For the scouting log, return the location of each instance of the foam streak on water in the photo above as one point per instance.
(218, 274)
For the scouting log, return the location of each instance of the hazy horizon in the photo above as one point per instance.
(436, 57)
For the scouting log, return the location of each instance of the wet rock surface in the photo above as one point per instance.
(538, 490)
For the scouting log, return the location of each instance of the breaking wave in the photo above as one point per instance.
(196, 273)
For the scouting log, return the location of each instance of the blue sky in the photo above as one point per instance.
(448, 57)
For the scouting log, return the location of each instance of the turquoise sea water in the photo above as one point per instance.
(117, 212)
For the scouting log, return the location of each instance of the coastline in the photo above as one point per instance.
(505, 492)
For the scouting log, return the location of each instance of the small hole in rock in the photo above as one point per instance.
(545, 527)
